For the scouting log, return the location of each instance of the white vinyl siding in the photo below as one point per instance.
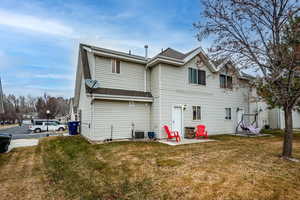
(131, 75)
(117, 118)
(155, 124)
(85, 107)
(276, 118)
(176, 90)
(296, 119)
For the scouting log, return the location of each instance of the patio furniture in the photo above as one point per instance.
(189, 132)
(201, 131)
(248, 127)
(172, 134)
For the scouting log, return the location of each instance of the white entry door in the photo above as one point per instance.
(177, 120)
(239, 115)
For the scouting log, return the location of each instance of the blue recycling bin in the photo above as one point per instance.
(73, 127)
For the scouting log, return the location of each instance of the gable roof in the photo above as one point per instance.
(168, 56)
(115, 54)
(85, 63)
(83, 56)
(171, 53)
(176, 58)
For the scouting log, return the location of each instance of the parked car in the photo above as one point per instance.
(40, 121)
(26, 122)
(4, 142)
(42, 126)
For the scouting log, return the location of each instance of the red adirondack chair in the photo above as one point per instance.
(201, 131)
(172, 134)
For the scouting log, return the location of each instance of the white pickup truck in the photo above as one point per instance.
(44, 126)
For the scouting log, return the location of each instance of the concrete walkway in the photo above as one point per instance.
(185, 141)
(22, 143)
(16, 143)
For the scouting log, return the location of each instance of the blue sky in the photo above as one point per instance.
(39, 39)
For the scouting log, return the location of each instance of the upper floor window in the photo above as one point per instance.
(227, 113)
(197, 76)
(115, 66)
(196, 113)
(225, 81)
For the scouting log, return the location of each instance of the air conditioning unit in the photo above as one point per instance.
(139, 134)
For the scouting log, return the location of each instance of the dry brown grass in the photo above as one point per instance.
(230, 168)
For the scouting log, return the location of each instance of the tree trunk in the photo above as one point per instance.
(288, 134)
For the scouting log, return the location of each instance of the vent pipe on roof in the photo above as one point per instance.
(146, 51)
(129, 52)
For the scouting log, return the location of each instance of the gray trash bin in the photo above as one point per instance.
(4, 142)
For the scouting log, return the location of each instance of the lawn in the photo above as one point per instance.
(230, 168)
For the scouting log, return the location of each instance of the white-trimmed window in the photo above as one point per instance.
(115, 66)
(225, 81)
(196, 112)
(228, 113)
(197, 76)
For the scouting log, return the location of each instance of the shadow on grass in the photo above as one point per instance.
(151, 170)
(73, 166)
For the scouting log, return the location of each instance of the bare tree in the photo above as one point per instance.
(261, 35)
(57, 106)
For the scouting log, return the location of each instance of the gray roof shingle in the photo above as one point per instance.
(171, 53)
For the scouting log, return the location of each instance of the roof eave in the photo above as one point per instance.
(116, 54)
(120, 97)
(166, 60)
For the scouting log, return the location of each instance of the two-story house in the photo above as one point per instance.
(138, 93)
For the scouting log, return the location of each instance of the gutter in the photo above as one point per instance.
(118, 56)
(166, 60)
(120, 98)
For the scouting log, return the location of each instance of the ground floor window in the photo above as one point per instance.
(196, 113)
(227, 113)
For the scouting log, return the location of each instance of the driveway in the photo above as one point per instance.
(22, 132)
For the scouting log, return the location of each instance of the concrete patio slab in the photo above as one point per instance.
(185, 141)
(22, 143)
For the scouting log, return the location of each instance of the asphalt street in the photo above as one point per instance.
(22, 132)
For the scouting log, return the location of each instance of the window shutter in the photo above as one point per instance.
(203, 77)
(194, 76)
(194, 112)
(118, 63)
(199, 113)
(229, 82)
(113, 66)
(222, 81)
(190, 75)
(199, 76)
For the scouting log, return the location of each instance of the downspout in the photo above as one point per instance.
(145, 79)
(145, 71)
(91, 124)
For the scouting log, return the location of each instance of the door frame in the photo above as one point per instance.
(176, 106)
(237, 119)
